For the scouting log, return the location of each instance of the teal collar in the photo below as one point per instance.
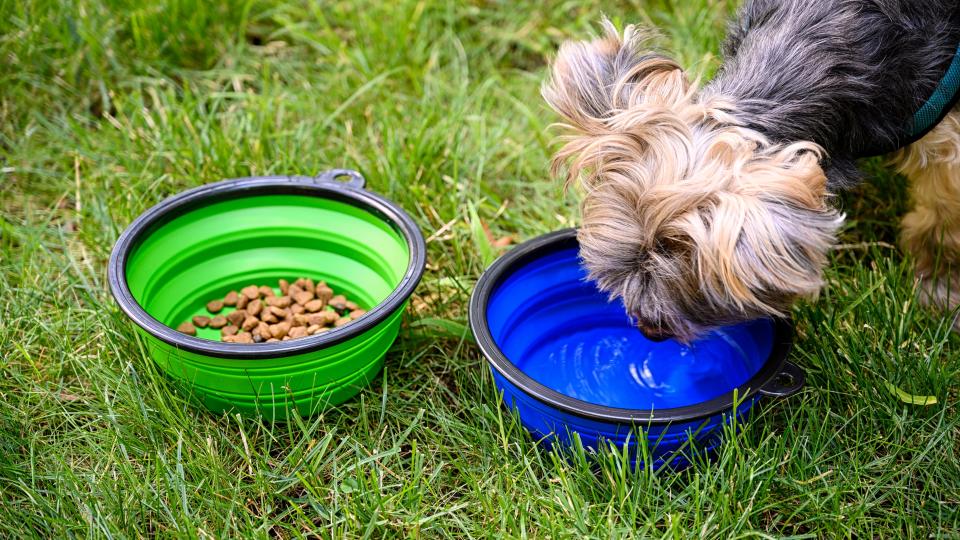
(939, 103)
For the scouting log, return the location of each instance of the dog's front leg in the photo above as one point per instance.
(931, 230)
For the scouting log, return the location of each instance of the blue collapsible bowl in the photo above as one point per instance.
(574, 367)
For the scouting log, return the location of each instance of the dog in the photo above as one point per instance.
(710, 206)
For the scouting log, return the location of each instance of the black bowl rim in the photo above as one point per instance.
(321, 186)
(763, 382)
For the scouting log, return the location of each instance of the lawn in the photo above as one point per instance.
(109, 106)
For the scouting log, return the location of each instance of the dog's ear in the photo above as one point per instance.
(763, 241)
(609, 86)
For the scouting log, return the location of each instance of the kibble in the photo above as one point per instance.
(263, 330)
(259, 315)
(236, 317)
(244, 337)
(298, 332)
(280, 329)
(324, 292)
(267, 316)
(187, 328)
(250, 323)
(303, 297)
(278, 301)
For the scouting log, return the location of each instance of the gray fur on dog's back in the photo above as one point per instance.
(845, 74)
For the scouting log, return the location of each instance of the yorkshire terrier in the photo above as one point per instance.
(709, 206)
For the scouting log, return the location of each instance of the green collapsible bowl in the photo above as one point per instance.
(198, 245)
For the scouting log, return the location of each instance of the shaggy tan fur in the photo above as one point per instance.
(688, 217)
(931, 231)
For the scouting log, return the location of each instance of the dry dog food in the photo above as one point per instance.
(303, 309)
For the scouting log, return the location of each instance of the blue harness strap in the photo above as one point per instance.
(938, 105)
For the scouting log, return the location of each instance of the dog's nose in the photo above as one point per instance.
(653, 333)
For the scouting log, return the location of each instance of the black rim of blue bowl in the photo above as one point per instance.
(766, 381)
(323, 185)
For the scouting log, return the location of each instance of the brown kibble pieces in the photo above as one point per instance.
(187, 328)
(250, 323)
(304, 309)
(237, 317)
(303, 297)
(314, 305)
(251, 291)
(323, 292)
(278, 301)
(298, 332)
(243, 337)
(323, 318)
(263, 329)
(231, 298)
(280, 329)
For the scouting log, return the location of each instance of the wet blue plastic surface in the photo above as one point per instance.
(562, 332)
(675, 444)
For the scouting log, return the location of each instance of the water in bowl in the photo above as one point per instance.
(561, 331)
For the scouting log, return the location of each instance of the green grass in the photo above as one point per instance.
(108, 106)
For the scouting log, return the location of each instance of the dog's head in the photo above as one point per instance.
(693, 220)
